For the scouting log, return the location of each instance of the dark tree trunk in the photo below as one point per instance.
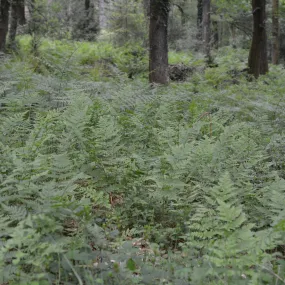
(199, 18)
(87, 14)
(87, 5)
(258, 62)
(17, 17)
(275, 31)
(207, 27)
(4, 22)
(13, 25)
(20, 11)
(158, 52)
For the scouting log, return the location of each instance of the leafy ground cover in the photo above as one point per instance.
(105, 180)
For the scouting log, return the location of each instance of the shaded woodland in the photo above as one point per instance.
(142, 142)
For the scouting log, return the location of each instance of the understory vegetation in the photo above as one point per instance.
(107, 180)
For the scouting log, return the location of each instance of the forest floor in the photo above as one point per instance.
(106, 180)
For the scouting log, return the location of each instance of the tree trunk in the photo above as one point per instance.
(20, 11)
(17, 17)
(13, 25)
(87, 5)
(207, 27)
(258, 62)
(4, 22)
(87, 16)
(275, 31)
(158, 52)
(199, 19)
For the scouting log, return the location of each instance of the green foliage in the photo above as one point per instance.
(233, 6)
(84, 22)
(127, 22)
(90, 61)
(179, 57)
(231, 64)
(119, 183)
(222, 230)
(62, 19)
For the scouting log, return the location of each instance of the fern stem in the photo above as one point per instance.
(274, 274)
(73, 269)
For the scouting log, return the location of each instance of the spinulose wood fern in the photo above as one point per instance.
(207, 188)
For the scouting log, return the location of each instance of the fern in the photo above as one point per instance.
(87, 168)
(221, 230)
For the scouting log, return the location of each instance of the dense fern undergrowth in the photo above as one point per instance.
(114, 182)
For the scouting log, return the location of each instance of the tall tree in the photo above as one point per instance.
(17, 17)
(158, 51)
(87, 5)
(83, 22)
(13, 26)
(21, 11)
(207, 27)
(275, 31)
(258, 62)
(4, 22)
(87, 14)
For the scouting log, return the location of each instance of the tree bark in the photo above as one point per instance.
(87, 16)
(20, 11)
(207, 26)
(158, 52)
(275, 31)
(258, 62)
(17, 16)
(4, 22)
(13, 25)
